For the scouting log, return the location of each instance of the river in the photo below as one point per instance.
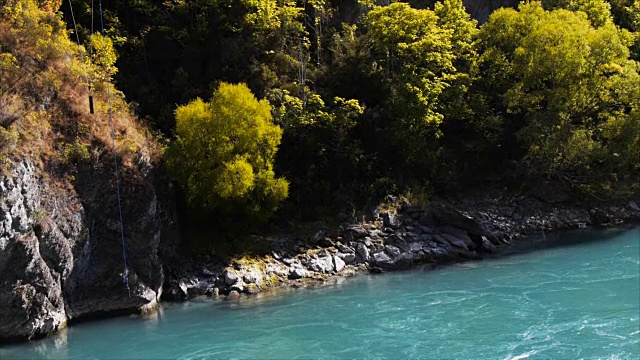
(567, 296)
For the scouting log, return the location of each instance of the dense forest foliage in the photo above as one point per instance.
(349, 100)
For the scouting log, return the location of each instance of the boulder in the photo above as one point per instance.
(355, 232)
(415, 246)
(238, 286)
(230, 277)
(392, 250)
(390, 220)
(338, 263)
(252, 277)
(403, 261)
(447, 216)
(363, 251)
(367, 241)
(323, 265)
(455, 241)
(348, 258)
(383, 261)
(296, 273)
(345, 249)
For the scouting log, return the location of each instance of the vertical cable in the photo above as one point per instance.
(115, 157)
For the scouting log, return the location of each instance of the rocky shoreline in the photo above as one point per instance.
(61, 251)
(394, 236)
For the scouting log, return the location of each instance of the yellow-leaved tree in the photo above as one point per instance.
(223, 153)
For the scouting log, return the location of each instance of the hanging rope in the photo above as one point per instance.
(75, 30)
(115, 159)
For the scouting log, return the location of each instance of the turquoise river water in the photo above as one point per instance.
(563, 297)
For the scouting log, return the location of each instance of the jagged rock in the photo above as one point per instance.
(355, 232)
(452, 218)
(392, 250)
(296, 273)
(200, 288)
(252, 277)
(363, 251)
(404, 261)
(348, 258)
(415, 246)
(488, 245)
(633, 206)
(390, 220)
(382, 260)
(367, 241)
(323, 265)
(61, 250)
(345, 249)
(338, 263)
(230, 277)
(455, 241)
(238, 286)
(275, 268)
(441, 240)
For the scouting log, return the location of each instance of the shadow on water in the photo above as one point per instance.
(544, 241)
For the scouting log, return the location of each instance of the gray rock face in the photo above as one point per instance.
(36, 256)
(61, 250)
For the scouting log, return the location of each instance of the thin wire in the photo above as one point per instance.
(75, 30)
(115, 159)
(92, 16)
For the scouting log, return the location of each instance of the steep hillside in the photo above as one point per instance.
(61, 253)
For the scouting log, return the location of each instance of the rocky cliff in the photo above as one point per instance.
(61, 254)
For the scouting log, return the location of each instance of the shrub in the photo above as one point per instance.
(223, 154)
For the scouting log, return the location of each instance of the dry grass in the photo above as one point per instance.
(44, 97)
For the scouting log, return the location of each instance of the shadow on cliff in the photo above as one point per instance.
(96, 287)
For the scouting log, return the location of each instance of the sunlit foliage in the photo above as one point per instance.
(224, 150)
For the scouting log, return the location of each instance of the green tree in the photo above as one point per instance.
(565, 85)
(412, 58)
(598, 11)
(320, 136)
(223, 153)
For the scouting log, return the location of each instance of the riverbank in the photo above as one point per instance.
(548, 301)
(395, 236)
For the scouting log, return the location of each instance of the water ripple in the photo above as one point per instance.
(561, 302)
